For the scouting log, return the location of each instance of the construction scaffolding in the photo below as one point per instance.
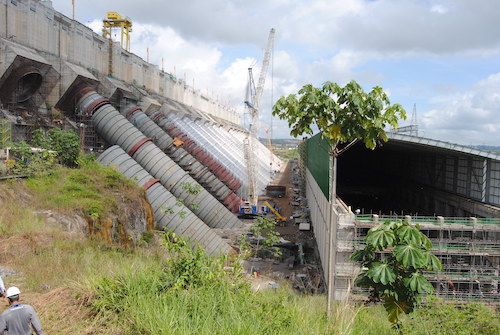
(468, 248)
(90, 141)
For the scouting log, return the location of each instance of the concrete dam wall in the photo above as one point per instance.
(72, 48)
(151, 126)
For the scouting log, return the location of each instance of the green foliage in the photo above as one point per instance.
(266, 236)
(27, 161)
(40, 139)
(396, 278)
(287, 153)
(436, 317)
(192, 293)
(189, 266)
(58, 145)
(90, 189)
(192, 189)
(147, 236)
(344, 115)
(65, 142)
(372, 320)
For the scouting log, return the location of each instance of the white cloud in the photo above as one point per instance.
(470, 117)
(437, 27)
(376, 42)
(440, 9)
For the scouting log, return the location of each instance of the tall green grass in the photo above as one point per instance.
(372, 320)
(437, 317)
(192, 293)
(169, 289)
(140, 298)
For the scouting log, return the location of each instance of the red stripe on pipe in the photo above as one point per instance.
(170, 128)
(225, 174)
(155, 116)
(233, 202)
(96, 104)
(176, 133)
(83, 92)
(197, 151)
(235, 185)
(138, 145)
(193, 146)
(150, 183)
(228, 179)
(132, 111)
(236, 206)
(229, 199)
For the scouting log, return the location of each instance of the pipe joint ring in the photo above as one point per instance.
(139, 144)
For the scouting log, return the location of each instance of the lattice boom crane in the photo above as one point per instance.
(253, 102)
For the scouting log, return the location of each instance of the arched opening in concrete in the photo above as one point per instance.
(21, 85)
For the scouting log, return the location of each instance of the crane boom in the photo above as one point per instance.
(263, 71)
(252, 102)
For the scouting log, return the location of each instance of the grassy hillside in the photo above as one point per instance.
(81, 285)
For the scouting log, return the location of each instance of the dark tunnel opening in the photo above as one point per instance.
(27, 85)
(402, 178)
(366, 181)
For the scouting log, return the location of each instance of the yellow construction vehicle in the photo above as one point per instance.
(279, 218)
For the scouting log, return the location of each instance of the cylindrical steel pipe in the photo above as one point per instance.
(184, 159)
(116, 129)
(161, 120)
(168, 213)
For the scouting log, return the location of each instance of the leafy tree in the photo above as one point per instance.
(40, 139)
(65, 142)
(67, 145)
(397, 276)
(264, 227)
(344, 115)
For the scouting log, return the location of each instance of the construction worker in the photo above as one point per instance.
(2, 288)
(19, 318)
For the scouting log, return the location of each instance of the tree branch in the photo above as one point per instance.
(347, 147)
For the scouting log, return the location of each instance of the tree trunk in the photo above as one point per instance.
(332, 236)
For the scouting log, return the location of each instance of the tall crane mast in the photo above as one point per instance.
(252, 102)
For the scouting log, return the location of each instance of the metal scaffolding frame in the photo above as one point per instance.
(468, 248)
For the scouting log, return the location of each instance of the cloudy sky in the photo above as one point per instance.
(442, 56)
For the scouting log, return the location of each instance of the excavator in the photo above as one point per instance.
(279, 218)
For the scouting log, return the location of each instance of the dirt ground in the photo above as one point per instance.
(302, 273)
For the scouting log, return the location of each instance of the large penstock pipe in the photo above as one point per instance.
(225, 156)
(116, 129)
(168, 212)
(183, 158)
(221, 172)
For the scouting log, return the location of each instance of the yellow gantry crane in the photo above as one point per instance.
(115, 20)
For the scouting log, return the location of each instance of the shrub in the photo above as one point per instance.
(436, 317)
(398, 278)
